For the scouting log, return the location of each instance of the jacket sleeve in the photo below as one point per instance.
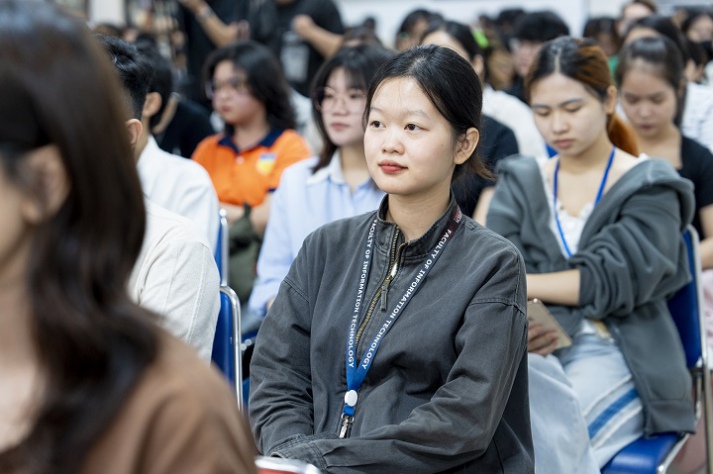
(505, 212)
(634, 259)
(280, 370)
(460, 421)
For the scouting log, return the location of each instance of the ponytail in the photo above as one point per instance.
(622, 136)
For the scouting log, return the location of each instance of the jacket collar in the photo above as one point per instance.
(268, 140)
(418, 248)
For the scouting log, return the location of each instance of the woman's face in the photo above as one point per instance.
(409, 146)
(342, 109)
(441, 38)
(14, 231)
(649, 102)
(701, 29)
(607, 42)
(569, 116)
(231, 95)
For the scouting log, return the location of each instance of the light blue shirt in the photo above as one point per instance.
(303, 202)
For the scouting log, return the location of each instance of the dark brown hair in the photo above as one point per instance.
(266, 82)
(92, 342)
(585, 62)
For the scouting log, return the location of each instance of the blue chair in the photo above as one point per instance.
(221, 249)
(655, 454)
(226, 345)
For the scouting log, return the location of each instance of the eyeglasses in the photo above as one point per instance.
(326, 99)
(235, 84)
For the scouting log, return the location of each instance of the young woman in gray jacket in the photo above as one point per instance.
(600, 232)
(397, 342)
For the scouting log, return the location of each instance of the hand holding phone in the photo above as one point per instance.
(537, 313)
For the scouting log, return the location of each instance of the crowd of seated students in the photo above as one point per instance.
(386, 243)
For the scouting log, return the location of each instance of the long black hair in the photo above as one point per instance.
(449, 82)
(93, 343)
(662, 55)
(359, 63)
(461, 33)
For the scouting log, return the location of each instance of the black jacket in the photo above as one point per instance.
(447, 390)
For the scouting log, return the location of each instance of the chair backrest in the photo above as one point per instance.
(685, 305)
(226, 345)
(221, 249)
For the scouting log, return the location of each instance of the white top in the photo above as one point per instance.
(176, 276)
(572, 227)
(512, 112)
(182, 186)
(698, 114)
(303, 202)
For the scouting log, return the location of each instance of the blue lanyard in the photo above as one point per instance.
(600, 193)
(355, 371)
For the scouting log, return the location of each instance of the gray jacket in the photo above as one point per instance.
(631, 257)
(447, 389)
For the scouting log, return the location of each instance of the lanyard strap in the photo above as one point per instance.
(600, 193)
(356, 372)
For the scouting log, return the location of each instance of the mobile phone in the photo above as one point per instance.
(538, 313)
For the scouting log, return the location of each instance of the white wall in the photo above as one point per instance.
(390, 13)
(110, 11)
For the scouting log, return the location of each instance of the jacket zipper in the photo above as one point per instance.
(346, 422)
(383, 288)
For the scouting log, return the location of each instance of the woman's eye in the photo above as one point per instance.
(412, 128)
(542, 113)
(573, 110)
(375, 124)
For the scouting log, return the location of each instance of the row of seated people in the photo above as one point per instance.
(339, 104)
(453, 386)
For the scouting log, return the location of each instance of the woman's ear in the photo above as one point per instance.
(479, 67)
(50, 184)
(466, 145)
(610, 100)
(681, 92)
(151, 105)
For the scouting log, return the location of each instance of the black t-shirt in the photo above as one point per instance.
(518, 89)
(189, 126)
(697, 166)
(271, 25)
(199, 46)
(497, 141)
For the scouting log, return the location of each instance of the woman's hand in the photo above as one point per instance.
(540, 340)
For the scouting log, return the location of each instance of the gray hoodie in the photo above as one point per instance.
(447, 389)
(631, 256)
